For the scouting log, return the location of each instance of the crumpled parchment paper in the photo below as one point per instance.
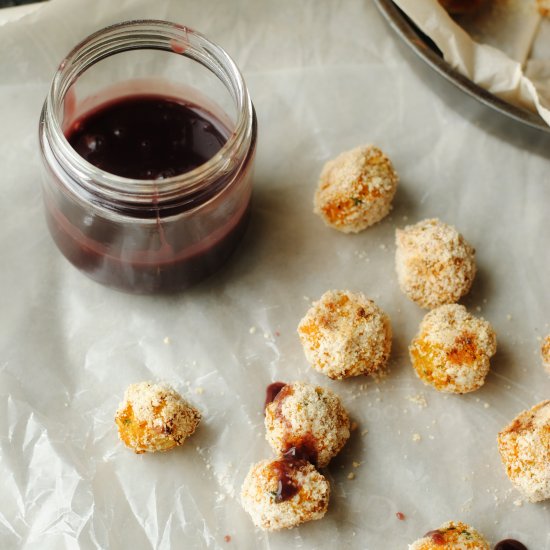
(324, 78)
(497, 48)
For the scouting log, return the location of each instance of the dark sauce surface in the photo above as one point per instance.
(147, 137)
(285, 469)
(301, 448)
(510, 544)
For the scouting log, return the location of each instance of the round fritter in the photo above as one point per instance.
(452, 349)
(154, 417)
(306, 421)
(283, 493)
(435, 265)
(524, 447)
(345, 334)
(356, 189)
(453, 535)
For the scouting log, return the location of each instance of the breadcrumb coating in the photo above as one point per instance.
(345, 334)
(356, 189)
(260, 495)
(544, 7)
(452, 349)
(524, 447)
(435, 265)
(154, 417)
(453, 535)
(308, 422)
(545, 353)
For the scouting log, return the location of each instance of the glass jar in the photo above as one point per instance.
(147, 235)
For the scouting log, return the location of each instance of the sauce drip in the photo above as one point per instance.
(287, 487)
(272, 391)
(436, 536)
(301, 448)
(510, 544)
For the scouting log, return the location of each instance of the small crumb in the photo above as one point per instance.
(486, 405)
(419, 400)
(509, 317)
(478, 308)
(405, 218)
(354, 426)
(199, 390)
(364, 432)
(65, 404)
(356, 464)
(227, 538)
(252, 330)
(351, 475)
(518, 502)
(277, 333)
(400, 516)
(431, 437)
(306, 298)
(416, 437)
(166, 340)
(266, 335)
(383, 247)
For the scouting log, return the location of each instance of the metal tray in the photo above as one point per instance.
(429, 52)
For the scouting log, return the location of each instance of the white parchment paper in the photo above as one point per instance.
(493, 48)
(324, 78)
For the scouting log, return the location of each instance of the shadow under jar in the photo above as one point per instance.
(148, 137)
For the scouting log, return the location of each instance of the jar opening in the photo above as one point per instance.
(66, 102)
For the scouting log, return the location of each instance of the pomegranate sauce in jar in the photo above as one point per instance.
(148, 138)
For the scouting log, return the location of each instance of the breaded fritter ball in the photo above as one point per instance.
(524, 447)
(154, 417)
(544, 7)
(459, 7)
(283, 493)
(345, 334)
(545, 353)
(356, 189)
(453, 535)
(306, 421)
(452, 349)
(435, 265)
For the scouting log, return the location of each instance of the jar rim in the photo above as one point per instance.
(159, 35)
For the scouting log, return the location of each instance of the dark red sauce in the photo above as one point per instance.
(303, 448)
(510, 544)
(147, 137)
(284, 469)
(436, 536)
(272, 391)
(400, 516)
(152, 137)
